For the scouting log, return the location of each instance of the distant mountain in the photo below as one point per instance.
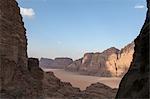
(111, 62)
(58, 63)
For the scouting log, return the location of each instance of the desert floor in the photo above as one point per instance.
(82, 81)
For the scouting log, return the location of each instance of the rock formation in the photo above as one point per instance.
(46, 63)
(125, 57)
(20, 77)
(57, 63)
(33, 67)
(111, 62)
(13, 42)
(100, 91)
(135, 83)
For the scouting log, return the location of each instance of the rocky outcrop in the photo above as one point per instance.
(135, 83)
(54, 88)
(57, 63)
(99, 91)
(75, 66)
(33, 67)
(111, 62)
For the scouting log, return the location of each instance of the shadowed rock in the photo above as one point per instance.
(135, 83)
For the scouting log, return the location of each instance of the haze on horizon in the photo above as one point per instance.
(70, 28)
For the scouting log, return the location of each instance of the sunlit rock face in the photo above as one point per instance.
(96, 63)
(111, 62)
(125, 57)
(75, 66)
(135, 83)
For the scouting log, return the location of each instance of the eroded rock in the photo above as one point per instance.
(111, 62)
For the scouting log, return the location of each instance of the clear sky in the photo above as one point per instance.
(70, 28)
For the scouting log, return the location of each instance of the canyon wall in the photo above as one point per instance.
(13, 42)
(111, 62)
(135, 83)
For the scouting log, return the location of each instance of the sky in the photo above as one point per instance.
(70, 28)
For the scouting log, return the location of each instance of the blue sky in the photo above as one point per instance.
(70, 28)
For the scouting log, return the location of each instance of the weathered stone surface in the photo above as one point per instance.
(135, 83)
(75, 66)
(58, 63)
(124, 59)
(13, 42)
(33, 67)
(111, 62)
(53, 87)
(98, 91)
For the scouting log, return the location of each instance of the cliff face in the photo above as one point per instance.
(125, 57)
(58, 63)
(13, 42)
(135, 83)
(111, 62)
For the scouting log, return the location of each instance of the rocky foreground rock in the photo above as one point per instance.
(111, 62)
(20, 76)
(135, 83)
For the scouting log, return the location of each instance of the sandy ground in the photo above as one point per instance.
(82, 81)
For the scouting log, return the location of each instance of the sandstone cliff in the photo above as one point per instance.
(111, 62)
(58, 63)
(13, 42)
(135, 83)
(125, 57)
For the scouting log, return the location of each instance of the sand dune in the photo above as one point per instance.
(83, 81)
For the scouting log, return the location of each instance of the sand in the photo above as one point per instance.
(83, 81)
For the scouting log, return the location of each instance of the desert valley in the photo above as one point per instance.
(107, 67)
(110, 74)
